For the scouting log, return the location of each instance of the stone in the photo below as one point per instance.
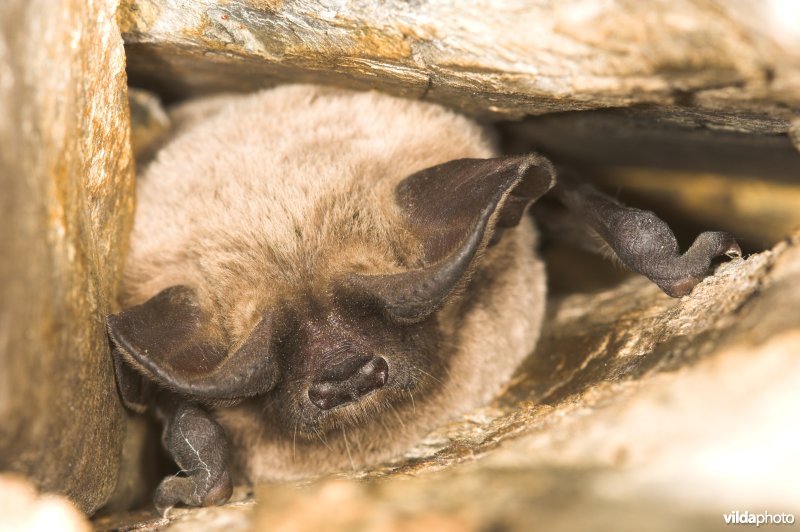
(235, 516)
(67, 176)
(698, 63)
(794, 133)
(24, 509)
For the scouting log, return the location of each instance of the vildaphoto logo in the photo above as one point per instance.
(763, 518)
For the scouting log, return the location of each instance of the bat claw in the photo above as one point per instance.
(734, 251)
(678, 288)
(191, 490)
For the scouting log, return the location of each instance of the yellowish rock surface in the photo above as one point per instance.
(66, 207)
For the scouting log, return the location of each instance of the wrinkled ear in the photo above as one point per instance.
(456, 209)
(167, 340)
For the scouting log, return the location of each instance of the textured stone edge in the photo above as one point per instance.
(71, 179)
(742, 78)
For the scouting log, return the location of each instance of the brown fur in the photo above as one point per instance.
(261, 201)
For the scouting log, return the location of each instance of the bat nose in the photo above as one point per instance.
(358, 379)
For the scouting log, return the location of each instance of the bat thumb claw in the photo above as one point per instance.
(734, 251)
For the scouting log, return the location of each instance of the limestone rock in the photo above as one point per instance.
(67, 178)
(235, 516)
(728, 65)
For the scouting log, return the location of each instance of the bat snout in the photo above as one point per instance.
(349, 381)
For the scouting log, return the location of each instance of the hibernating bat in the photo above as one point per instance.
(319, 277)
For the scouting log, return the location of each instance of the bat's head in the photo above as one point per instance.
(343, 344)
(340, 303)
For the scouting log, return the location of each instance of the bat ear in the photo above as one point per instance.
(456, 209)
(167, 339)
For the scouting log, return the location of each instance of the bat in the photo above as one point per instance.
(319, 277)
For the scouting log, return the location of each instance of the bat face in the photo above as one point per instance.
(342, 364)
(331, 274)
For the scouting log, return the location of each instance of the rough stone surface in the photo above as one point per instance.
(235, 516)
(22, 508)
(794, 133)
(66, 176)
(727, 65)
(636, 412)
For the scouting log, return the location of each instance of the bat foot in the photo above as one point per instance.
(200, 447)
(642, 241)
(678, 288)
(678, 274)
(190, 491)
(734, 251)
